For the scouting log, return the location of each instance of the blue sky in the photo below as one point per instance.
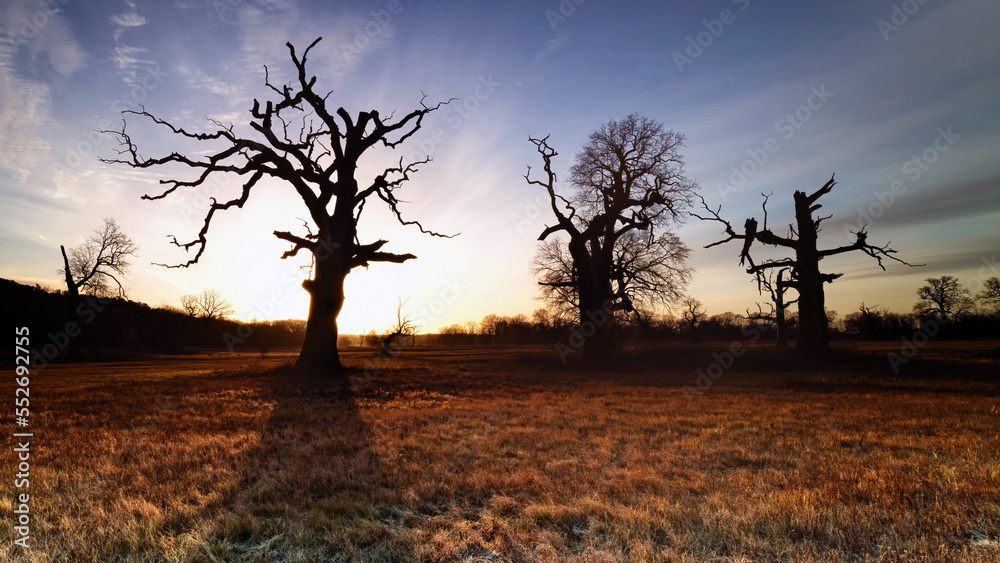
(856, 88)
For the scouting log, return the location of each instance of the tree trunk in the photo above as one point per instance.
(779, 313)
(326, 299)
(812, 302)
(72, 301)
(594, 319)
(72, 292)
(781, 325)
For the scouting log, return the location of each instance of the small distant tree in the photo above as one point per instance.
(471, 329)
(209, 304)
(189, 303)
(990, 295)
(866, 322)
(451, 334)
(728, 321)
(404, 327)
(943, 298)
(370, 339)
(692, 313)
(214, 306)
(489, 327)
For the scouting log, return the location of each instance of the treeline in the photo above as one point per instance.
(101, 324)
(545, 328)
(872, 323)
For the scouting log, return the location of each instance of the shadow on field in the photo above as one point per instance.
(310, 489)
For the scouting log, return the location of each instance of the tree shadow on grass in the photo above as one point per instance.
(312, 489)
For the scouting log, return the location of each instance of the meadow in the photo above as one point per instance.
(488, 454)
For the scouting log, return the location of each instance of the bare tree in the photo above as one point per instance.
(867, 321)
(692, 313)
(628, 186)
(190, 305)
(97, 266)
(944, 298)
(209, 304)
(301, 141)
(471, 329)
(404, 327)
(806, 278)
(214, 306)
(990, 295)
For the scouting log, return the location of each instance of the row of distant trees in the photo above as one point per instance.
(945, 301)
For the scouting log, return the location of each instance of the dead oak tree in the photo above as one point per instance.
(805, 275)
(300, 140)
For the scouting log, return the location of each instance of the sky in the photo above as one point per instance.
(898, 99)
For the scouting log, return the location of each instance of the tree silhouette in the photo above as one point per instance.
(867, 321)
(990, 295)
(628, 185)
(692, 312)
(96, 266)
(943, 298)
(302, 141)
(209, 304)
(189, 303)
(802, 240)
(404, 327)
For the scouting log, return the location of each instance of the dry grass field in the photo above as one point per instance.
(498, 454)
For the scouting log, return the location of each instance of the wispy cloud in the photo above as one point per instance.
(130, 59)
(24, 113)
(553, 46)
(234, 94)
(123, 22)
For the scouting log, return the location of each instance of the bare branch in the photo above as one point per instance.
(202, 240)
(861, 244)
(299, 243)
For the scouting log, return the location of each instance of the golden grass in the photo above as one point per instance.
(476, 456)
